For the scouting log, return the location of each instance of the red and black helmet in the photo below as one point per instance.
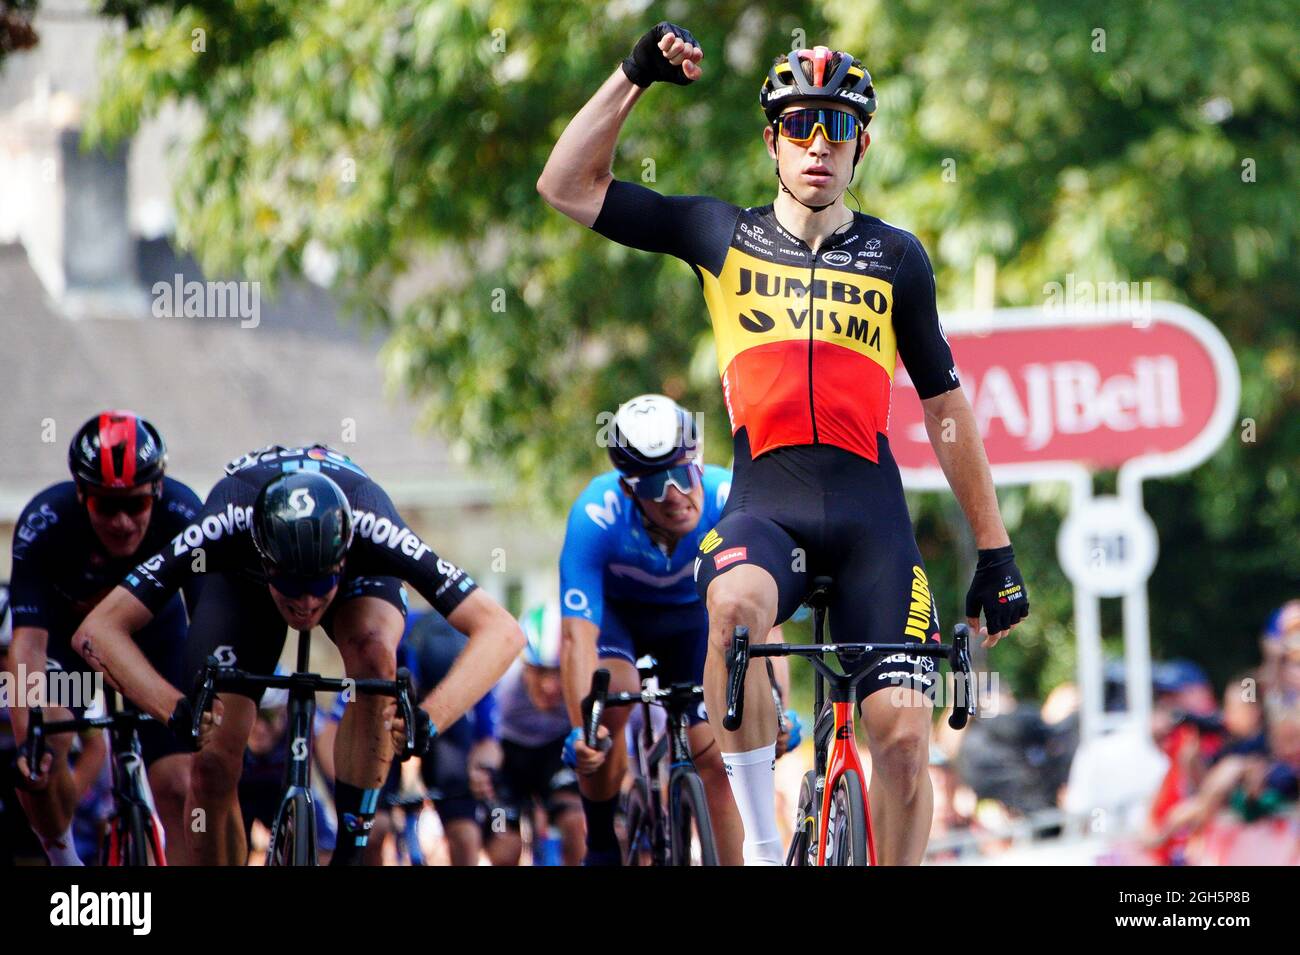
(117, 450)
(836, 77)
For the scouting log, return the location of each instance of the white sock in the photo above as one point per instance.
(753, 784)
(62, 850)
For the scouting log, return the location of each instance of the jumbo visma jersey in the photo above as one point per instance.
(807, 342)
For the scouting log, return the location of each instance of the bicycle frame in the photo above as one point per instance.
(651, 751)
(834, 739)
(130, 782)
(303, 687)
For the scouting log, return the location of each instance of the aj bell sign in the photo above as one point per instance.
(1053, 393)
(1060, 396)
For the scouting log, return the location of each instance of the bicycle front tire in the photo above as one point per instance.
(291, 836)
(847, 830)
(692, 832)
(640, 823)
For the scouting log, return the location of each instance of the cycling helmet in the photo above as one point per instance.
(836, 77)
(117, 450)
(541, 627)
(302, 524)
(651, 433)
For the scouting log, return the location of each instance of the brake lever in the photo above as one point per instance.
(959, 660)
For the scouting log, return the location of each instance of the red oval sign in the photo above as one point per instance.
(1078, 391)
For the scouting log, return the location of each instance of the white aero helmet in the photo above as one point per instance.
(541, 626)
(652, 432)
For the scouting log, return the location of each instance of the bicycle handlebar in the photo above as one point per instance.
(34, 745)
(216, 678)
(593, 706)
(740, 653)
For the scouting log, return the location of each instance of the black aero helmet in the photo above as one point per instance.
(117, 451)
(650, 433)
(836, 77)
(302, 524)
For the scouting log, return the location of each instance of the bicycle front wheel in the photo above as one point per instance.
(846, 832)
(293, 835)
(803, 847)
(640, 825)
(692, 832)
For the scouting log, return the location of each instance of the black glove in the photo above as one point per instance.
(647, 63)
(181, 723)
(998, 590)
(425, 732)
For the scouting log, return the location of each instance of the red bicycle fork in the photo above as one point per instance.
(843, 756)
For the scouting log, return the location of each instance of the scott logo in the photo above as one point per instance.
(302, 502)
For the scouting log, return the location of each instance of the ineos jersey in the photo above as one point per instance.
(219, 539)
(807, 342)
(61, 570)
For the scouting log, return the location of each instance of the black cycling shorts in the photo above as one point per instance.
(445, 772)
(237, 621)
(676, 635)
(535, 774)
(818, 510)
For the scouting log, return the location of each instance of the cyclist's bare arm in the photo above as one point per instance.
(577, 663)
(577, 174)
(494, 641)
(950, 423)
(105, 640)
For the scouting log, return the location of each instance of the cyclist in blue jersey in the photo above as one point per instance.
(627, 590)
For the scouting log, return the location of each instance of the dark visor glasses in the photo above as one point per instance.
(654, 487)
(293, 587)
(105, 505)
(800, 125)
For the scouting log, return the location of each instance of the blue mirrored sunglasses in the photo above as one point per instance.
(654, 487)
(293, 587)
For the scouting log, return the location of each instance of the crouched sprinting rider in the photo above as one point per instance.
(297, 536)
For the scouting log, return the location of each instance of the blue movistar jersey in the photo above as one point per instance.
(609, 555)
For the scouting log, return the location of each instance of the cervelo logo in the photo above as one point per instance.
(384, 531)
(212, 527)
(603, 516)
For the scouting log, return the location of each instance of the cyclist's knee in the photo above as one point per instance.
(370, 652)
(902, 755)
(169, 779)
(214, 774)
(733, 608)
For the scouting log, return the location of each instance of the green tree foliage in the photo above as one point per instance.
(1149, 142)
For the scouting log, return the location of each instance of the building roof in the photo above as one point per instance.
(214, 388)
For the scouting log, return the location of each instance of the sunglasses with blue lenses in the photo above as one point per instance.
(654, 487)
(292, 587)
(800, 125)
